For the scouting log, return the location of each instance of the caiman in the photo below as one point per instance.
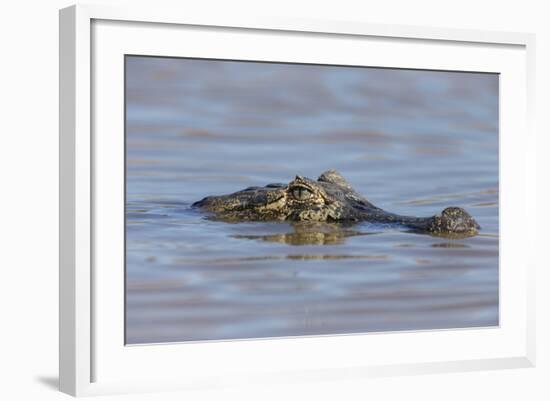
(330, 198)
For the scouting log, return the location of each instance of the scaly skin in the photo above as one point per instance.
(329, 199)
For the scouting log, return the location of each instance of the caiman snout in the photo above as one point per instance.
(454, 220)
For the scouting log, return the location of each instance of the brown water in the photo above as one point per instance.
(413, 142)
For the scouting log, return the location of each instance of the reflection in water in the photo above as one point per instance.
(449, 245)
(334, 256)
(413, 142)
(305, 233)
(448, 236)
(292, 256)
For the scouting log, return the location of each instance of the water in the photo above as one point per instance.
(413, 142)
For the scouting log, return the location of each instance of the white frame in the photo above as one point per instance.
(76, 207)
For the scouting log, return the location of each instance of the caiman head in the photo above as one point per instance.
(330, 198)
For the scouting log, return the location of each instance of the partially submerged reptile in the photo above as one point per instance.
(329, 199)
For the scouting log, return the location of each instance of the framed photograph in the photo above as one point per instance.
(252, 201)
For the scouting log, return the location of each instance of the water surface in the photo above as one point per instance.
(413, 142)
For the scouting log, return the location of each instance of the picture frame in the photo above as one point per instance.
(93, 360)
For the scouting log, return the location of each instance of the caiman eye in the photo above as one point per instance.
(301, 193)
